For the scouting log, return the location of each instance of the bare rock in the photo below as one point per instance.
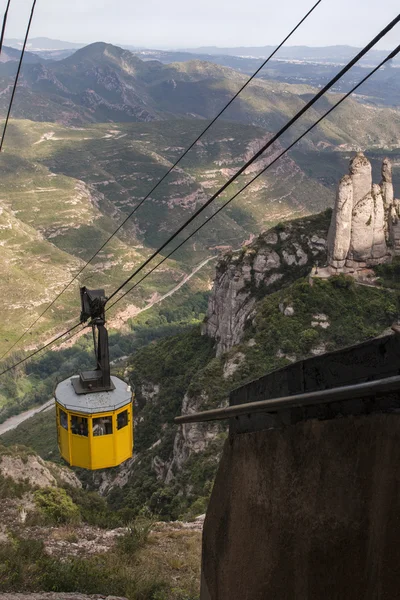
(361, 175)
(387, 184)
(339, 234)
(362, 229)
(36, 471)
(191, 438)
(232, 364)
(260, 265)
(379, 248)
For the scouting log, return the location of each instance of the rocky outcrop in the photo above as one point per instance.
(361, 231)
(339, 235)
(29, 468)
(387, 184)
(274, 259)
(190, 438)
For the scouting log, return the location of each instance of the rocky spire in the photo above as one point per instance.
(361, 175)
(387, 183)
(379, 248)
(357, 235)
(339, 234)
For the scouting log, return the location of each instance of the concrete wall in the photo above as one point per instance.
(310, 510)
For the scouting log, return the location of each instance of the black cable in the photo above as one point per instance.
(3, 29)
(17, 75)
(162, 179)
(40, 349)
(262, 150)
(389, 57)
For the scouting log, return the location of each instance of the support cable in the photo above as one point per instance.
(173, 166)
(61, 335)
(274, 138)
(3, 29)
(21, 58)
(389, 57)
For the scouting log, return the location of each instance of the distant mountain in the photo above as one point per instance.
(42, 43)
(11, 54)
(104, 83)
(332, 54)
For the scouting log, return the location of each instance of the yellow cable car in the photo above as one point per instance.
(94, 409)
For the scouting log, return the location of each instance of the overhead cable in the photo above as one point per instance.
(61, 335)
(21, 58)
(173, 166)
(342, 99)
(274, 138)
(3, 29)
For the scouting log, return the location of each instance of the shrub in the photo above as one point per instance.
(308, 338)
(9, 488)
(56, 506)
(136, 536)
(342, 281)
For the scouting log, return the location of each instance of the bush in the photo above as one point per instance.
(342, 281)
(55, 506)
(308, 338)
(136, 536)
(9, 488)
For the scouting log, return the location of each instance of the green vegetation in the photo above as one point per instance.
(26, 567)
(56, 506)
(389, 274)
(136, 536)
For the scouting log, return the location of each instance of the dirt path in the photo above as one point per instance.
(132, 311)
(16, 420)
(119, 320)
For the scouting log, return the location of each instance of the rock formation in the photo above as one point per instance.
(262, 267)
(362, 232)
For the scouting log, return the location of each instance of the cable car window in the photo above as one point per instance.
(79, 425)
(102, 426)
(122, 419)
(63, 418)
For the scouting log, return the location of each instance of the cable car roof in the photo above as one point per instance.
(94, 402)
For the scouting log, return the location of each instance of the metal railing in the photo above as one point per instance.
(347, 392)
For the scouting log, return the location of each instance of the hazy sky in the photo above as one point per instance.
(189, 23)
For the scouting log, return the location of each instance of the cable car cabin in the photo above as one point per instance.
(95, 431)
(94, 409)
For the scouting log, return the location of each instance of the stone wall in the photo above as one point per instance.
(308, 507)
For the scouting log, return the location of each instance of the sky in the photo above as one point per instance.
(192, 23)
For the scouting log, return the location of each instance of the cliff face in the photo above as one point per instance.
(276, 258)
